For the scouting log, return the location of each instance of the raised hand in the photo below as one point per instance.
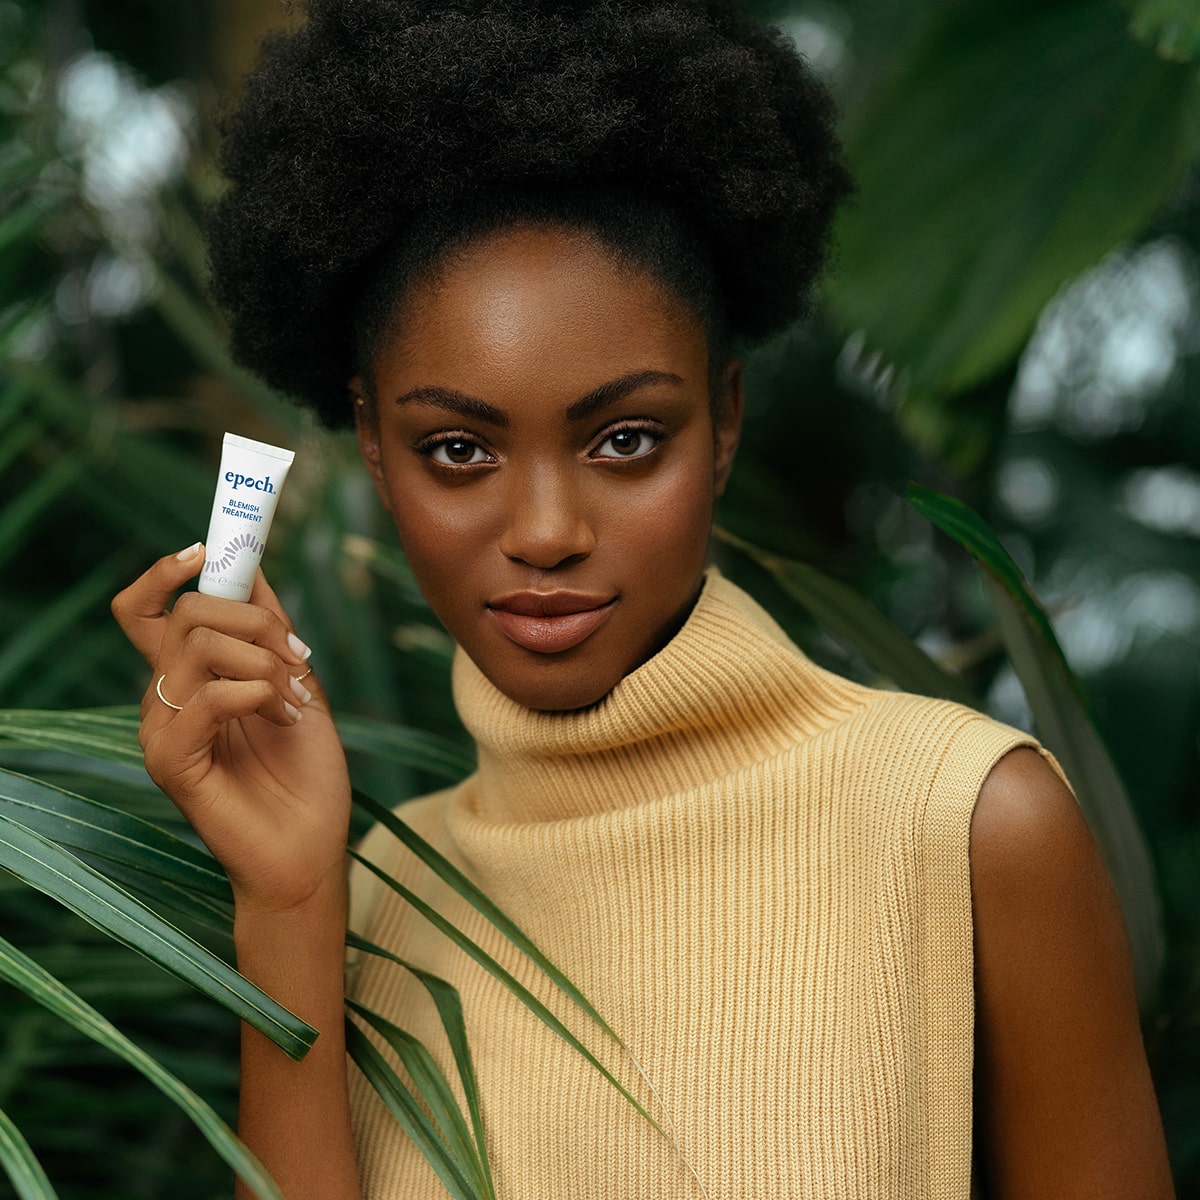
(250, 756)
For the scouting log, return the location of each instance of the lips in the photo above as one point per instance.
(550, 622)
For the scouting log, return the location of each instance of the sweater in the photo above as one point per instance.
(758, 873)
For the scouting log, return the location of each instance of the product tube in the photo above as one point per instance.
(248, 487)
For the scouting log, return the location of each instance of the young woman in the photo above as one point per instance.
(860, 943)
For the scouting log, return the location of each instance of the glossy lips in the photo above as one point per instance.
(550, 622)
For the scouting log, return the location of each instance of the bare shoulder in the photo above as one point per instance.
(1065, 1105)
(1028, 832)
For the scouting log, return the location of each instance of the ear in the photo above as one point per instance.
(727, 425)
(366, 427)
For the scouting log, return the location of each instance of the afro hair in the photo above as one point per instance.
(376, 114)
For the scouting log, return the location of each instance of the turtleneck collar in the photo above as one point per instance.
(728, 690)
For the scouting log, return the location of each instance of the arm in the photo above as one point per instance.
(1065, 1105)
(251, 758)
(296, 1115)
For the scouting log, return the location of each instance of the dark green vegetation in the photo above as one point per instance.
(1011, 319)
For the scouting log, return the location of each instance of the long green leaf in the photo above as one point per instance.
(446, 871)
(1065, 724)
(436, 1095)
(409, 1114)
(21, 1165)
(449, 1005)
(50, 869)
(110, 734)
(859, 625)
(1057, 137)
(84, 825)
(504, 977)
(409, 747)
(23, 973)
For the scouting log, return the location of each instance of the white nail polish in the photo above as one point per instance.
(292, 711)
(298, 647)
(301, 692)
(190, 552)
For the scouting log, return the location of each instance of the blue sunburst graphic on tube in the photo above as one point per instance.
(248, 486)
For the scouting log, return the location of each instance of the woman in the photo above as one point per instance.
(518, 244)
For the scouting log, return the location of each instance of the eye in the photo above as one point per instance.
(456, 452)
(629, 442)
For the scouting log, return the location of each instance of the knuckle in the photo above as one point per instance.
(265, 623)
(186, 603)
(199, 639)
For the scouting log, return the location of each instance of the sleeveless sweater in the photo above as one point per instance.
(758, 873)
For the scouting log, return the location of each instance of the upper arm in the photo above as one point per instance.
(1065, 1105)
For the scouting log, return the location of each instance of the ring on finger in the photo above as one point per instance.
(158, 689)
(304, 676)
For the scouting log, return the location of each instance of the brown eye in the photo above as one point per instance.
(458, 452)
(627, 443)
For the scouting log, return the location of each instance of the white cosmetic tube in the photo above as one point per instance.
(248, 487)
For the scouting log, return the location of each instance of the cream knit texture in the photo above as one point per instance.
(758, 872)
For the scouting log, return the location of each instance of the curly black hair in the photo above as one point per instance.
(689, 137)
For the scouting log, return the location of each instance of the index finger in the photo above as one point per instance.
(141, 609)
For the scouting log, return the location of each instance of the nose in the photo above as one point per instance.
(546, 524)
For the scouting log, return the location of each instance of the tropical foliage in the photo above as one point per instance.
(1010, 319)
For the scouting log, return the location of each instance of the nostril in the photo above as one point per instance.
(546, 539)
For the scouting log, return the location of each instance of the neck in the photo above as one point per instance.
(727, 691)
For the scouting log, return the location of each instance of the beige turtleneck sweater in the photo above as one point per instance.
(757, 871)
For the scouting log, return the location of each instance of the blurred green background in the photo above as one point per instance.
(1011, 316)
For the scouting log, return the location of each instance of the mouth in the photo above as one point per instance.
(550, 622)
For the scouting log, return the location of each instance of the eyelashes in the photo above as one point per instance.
(456, 451)
(627, 441)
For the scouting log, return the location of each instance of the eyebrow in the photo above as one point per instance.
(480, 410)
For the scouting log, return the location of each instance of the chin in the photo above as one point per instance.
(552, 695)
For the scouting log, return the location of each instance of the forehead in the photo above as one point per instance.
(547, 307)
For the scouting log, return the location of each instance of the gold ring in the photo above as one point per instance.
(305, 675)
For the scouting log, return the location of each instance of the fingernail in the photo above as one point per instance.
(292, 711)
(190, 552)
(299, 649)
(301, 692)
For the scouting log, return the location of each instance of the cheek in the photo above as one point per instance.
(673, 511)
(439, 529)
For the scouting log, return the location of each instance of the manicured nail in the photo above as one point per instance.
(301, 692)
(190, 552)
(292, 711)
(299, 649)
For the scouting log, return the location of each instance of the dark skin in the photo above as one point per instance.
(1065, 1105)
(540, 420)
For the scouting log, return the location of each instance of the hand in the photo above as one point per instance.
(252, 758)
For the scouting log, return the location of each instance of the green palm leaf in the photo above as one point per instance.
(1066, 725)
(449, 1005)
(109, 733)
(40, 863)
(20, 1165)
(445, 870)
(389, 742)
(493, 968)
(23, 973)
(409, 1114)
(434, 1089)
(858, 624)
(86, 826)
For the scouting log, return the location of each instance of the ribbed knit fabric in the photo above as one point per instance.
(758, 873)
